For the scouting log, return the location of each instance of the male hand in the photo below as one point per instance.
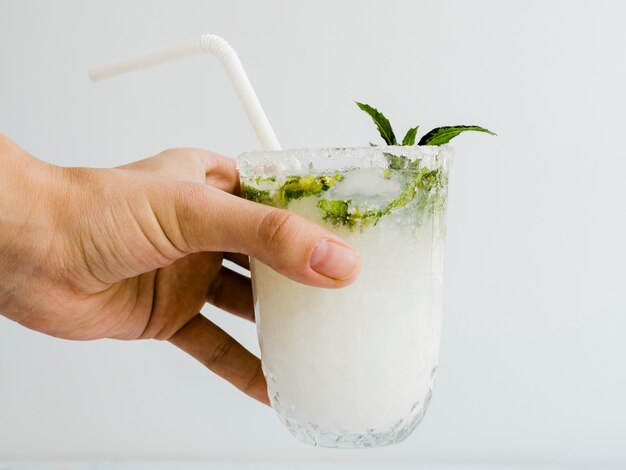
(135, 252)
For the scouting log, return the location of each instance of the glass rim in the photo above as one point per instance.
(325, 160)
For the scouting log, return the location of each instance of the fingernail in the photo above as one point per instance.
(333, 260)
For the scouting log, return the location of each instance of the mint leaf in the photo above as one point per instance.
(340, 212)
(294, 187)
(396, 162)
(409, 138)
(382, 123)
(335, 209)
(297, 187)
(443, 135)
(408, 194)
(256, 195)
(401, 163)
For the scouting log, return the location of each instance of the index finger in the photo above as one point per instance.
(191, 165)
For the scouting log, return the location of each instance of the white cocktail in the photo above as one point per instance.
(354, 367)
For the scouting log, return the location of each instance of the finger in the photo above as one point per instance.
(239, 259)
(191, 165)
(210, 220)
(232, 292)
(219, 352)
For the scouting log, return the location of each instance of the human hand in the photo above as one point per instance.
(135, 252)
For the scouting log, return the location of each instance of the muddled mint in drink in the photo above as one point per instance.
(415, 176)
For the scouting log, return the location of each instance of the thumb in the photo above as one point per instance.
(212, 220)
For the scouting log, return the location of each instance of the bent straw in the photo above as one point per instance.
(225, 53)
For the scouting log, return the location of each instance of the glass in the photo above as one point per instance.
(354, 367)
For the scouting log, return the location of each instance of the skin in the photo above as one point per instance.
(135, 252)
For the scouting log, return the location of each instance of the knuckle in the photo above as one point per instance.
(276, 228)
(192, 193)
(183, 227)
(215, 290)
(187, 155)
(188, 197)
(220, 353)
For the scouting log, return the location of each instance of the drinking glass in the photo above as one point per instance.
(354, 367)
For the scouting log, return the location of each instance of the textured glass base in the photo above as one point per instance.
(318, 436)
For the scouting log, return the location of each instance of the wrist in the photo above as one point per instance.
(25, 223)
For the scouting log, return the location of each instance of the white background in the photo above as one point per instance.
(532, 361)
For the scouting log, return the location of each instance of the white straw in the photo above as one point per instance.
(225, 53)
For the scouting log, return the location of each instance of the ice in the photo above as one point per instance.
(368, 185)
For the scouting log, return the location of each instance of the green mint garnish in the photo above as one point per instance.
(437, 136)
(382, 123)
(428, 186)
(409, 138)
(443, 135)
